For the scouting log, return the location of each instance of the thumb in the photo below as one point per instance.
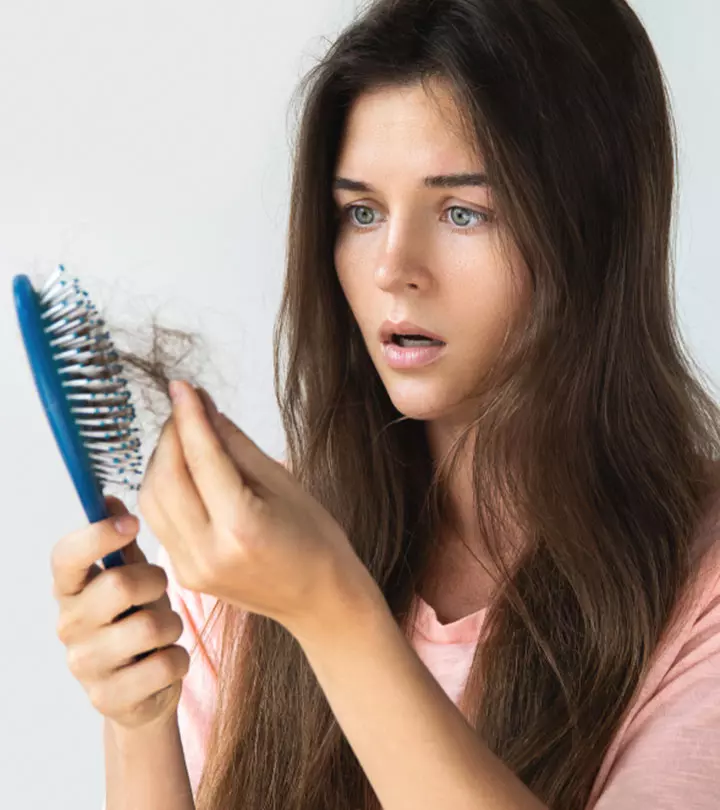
(132, 553)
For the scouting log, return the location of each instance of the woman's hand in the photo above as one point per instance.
(118, 625)
(237, 525)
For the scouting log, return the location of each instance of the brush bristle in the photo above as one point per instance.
(99, 399)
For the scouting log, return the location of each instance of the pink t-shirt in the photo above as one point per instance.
(665, 755)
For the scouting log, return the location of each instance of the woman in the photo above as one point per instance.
(538, 504)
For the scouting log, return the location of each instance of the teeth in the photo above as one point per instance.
(415, 340)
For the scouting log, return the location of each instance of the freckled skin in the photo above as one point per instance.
(405, 253)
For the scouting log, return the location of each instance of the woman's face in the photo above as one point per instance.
(422, 253)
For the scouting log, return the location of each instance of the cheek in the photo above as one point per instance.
(346, 286)
(350, 281)
(488, 305)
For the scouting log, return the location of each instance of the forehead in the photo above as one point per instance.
(407, 124)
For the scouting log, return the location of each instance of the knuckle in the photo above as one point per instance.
(191, 577)
(162, 576)
(175, 626)
(76, 656)
(159, 669)
(97, 695)
(148, 625)
(65, 626)
(177, 662)
(119, 585)
(167, 666)
(183, 657)
(104, 531)
(155, 583)
(248, 517)
(58, 558)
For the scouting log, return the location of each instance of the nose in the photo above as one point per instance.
(400, 262)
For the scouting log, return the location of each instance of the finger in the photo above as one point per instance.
(109, 596)
(256, 468)
(75, 554)
(172, 489)
(132, 553)
(115, 506)
(211, 468)
(209, 403)
(163, 430)
(117, 643)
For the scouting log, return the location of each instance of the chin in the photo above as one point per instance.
(419, 404)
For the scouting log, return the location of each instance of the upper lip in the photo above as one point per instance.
(389, 328)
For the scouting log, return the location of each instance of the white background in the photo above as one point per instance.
(146, 146)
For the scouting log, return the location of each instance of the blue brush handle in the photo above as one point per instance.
(57, 409)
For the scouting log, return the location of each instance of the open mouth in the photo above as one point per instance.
(414, 341)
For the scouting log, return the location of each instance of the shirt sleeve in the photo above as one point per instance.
(670, 756)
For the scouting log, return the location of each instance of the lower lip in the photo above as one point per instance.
(413, 357)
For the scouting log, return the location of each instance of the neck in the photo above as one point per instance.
(462, 525)
(443, 438)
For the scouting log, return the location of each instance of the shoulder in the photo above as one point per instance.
(666, 749)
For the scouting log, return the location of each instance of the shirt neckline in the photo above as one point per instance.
(464, 630)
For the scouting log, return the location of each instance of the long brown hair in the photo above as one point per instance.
(594, 428)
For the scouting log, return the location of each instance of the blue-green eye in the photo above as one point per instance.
(465, 212)
(483, 217)
(352, 208)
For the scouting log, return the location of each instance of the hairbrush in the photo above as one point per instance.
(89, 406)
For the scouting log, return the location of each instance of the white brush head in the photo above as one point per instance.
(99, 399)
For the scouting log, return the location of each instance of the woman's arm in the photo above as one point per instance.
(145, 768)
(414, 744)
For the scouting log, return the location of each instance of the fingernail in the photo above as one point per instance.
(177, 390)
(127, 524)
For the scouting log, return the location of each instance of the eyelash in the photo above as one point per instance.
(346, 209)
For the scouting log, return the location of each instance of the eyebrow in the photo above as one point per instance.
(434, 181)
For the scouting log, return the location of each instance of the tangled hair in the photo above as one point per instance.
(594, 432)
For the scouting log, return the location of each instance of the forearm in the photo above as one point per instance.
(415, 746)
(145, 769)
